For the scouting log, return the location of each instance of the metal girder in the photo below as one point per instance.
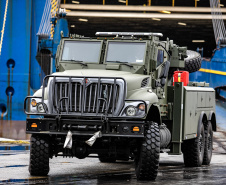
(141, 15)
(138, 8)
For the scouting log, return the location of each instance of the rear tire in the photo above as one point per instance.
(39, 155)
(193, 150)
(147, 159)
(208, 144)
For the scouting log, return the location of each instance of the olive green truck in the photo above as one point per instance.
(115, 97)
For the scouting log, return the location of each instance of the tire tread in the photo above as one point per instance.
(147, 167)
(39, 155)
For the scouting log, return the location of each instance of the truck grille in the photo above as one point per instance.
(87, 95)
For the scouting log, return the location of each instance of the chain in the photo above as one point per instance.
(50, 11)
(3, 27)
(217, 20)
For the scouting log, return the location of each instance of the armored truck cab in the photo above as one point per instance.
(116, 97)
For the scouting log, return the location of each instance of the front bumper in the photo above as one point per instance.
(81, 127)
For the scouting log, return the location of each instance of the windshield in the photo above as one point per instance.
(86, 51)
(131, 52)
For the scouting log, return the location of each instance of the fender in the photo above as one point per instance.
(202, 119)
(212, 118)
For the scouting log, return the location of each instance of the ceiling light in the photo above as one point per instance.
(164, 11)
(156, 19)
(182, 23)
(75, 2)
(84, 20)
(121, 1)
(72, 26)
(198, 40)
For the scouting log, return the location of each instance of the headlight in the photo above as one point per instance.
(131, 111)
(41, 107)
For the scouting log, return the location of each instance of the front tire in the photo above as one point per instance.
(147, 159)
(39, 155)
(193, 150)
(208, 144)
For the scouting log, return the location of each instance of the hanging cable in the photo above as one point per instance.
(51, 8)
(3, 26)
(217, 20)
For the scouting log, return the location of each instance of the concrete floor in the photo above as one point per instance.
(14, 169)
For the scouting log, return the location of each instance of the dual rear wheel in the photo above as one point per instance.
(198, 151)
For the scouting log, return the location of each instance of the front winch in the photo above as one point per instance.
(82, 127)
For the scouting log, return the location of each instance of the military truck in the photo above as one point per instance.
(115, 97)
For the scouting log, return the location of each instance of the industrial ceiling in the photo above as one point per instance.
(188, 23)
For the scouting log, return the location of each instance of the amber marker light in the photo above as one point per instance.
(33, 103)
(142, 107)
(136, 129)
(34, 125)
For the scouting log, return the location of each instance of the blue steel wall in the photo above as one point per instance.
(19, 46)
(217, 64)
(216, 78)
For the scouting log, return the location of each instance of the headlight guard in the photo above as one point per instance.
(134, 108)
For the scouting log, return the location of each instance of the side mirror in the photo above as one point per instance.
(164, 73)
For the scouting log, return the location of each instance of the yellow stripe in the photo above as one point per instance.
(54, 9)
(16, 142)
(213, 71)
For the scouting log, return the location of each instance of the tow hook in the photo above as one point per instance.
(92, 140)
(68, 140)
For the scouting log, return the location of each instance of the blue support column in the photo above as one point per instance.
(20, 72)
(15, 58)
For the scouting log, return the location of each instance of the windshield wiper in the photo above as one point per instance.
(124, 63)
(79, 61)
